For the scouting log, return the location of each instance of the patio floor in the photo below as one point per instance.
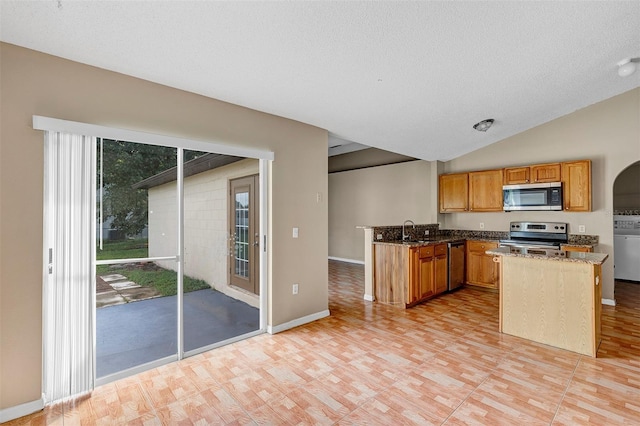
(132, 334)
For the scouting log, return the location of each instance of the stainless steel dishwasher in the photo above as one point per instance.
(455, 271)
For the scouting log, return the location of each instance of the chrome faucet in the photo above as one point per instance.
(404, 234)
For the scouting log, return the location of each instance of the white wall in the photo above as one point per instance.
(206, 228)
(383, 195)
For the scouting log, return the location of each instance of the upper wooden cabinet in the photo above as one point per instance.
(538, 173)
(481, 191)
(485, 191)
(453, 193)
(576, 182)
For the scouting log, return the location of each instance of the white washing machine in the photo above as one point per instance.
(626, 246)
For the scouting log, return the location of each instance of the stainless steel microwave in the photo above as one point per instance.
(534, 196)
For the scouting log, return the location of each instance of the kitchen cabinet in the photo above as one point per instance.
(424, 282)
(569, 247)
(485, 191)
(481, 269)
(576, 182)
(407, 275)
(539, 173)
(453, 194)
(440, 268)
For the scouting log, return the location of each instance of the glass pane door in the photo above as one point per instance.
(136, 282)
(214, 310)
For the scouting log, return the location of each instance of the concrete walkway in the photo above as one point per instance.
(115, 289)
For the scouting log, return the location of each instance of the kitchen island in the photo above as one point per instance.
(552, 299)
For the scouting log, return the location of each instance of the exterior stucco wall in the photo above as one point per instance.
(206, 227)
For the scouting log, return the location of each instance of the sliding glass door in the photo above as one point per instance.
(219, 311)
(136, 274)
(164, 253)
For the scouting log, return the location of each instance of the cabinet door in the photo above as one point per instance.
(481, 270)
(541, 173)
(453, 193)
(576, 180)
(489, 274)
(440, 274)
(516, 175)
(485, 191)
(427, 285)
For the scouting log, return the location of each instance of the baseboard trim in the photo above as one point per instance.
(341, 259)
(18, 411)
(297, 322)
(609, 302)
(369, 298)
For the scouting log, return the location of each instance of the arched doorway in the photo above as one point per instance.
(626, 215)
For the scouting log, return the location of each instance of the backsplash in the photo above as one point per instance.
(394, 233)
(475, 235)
(580, 239)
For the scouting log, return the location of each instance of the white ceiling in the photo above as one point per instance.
(407, 77)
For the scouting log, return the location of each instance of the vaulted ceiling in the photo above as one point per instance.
(407, 77)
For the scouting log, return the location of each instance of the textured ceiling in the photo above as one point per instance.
(407, 77)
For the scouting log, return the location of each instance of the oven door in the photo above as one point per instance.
(537, 196)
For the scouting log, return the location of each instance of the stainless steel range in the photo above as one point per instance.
(537, 237)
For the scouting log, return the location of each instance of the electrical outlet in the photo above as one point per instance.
(581, 228)
(295, 232)
(318, 197)
(379, 237)
(295, 289)
(481, 225)
(426, 232)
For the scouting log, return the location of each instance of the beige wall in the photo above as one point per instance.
(626, 190)
(383, 195)
(364, 158)
(206, 225)
(34, 83)
(608, 133)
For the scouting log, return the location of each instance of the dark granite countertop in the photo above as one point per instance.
(419, 243)
(564, 256)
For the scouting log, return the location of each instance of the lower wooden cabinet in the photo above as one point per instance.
(429, 264)
(440, 268)
(576, 248)
(481, 269)
(405, 276)
(424, 282)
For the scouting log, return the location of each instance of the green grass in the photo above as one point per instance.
(127, 249)
(165, 281)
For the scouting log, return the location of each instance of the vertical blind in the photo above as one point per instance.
(69, 275)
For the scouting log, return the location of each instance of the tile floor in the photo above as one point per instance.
(439, 363)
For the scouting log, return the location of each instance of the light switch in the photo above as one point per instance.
(295, 232)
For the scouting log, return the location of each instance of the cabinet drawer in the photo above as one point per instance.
(441, 249)
(480, 246)
(426, 251)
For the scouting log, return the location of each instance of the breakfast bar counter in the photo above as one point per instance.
(552, 299)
